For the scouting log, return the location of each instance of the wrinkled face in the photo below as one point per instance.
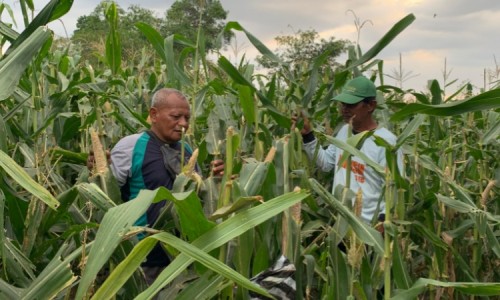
(360, 113)
(169, 118)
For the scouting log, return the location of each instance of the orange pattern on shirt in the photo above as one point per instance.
(358, 169)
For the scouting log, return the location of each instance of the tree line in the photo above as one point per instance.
(184, 18)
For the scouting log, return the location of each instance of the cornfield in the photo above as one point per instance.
(67, 235)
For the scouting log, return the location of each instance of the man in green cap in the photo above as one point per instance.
(357, 104)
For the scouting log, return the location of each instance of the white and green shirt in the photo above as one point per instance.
(363, 176)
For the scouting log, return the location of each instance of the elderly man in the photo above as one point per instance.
(357, 104)
(152, 159)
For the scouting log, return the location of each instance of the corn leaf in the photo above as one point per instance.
(491, 134)
(113, 43)
(239, 204)
(410, 129)
(256, 42)
(208, 261)
(252, 177)
(9, 33)
(466, 208)
(399, 267)
(339, 281)
(207, 286)
(484, 101)
(469, 288)
(366, 233)
(115, 224)
(493, 241)
(52, 11)
(14, 64)
(154, 37)
(8, 291)
(355, 152)
(90, 192)
(223, 233)
(355, 141)
(23, 179)
(125, 269)
(56, 277)
(385, 40)
(188, 207)
(248, 105)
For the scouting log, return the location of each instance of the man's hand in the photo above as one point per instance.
(307, 128)
(217, 167)
(91, 159)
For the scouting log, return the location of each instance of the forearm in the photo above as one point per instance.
(324, 158)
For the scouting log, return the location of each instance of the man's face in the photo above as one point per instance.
(360, 113)
(170, 118)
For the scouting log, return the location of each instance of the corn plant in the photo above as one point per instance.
(68, 235)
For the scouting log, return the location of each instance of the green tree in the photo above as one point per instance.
(302, 47)
(185, 17)
(92, 29)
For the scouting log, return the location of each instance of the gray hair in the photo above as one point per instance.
(160, 97)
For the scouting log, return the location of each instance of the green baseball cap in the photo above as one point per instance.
(356, 90)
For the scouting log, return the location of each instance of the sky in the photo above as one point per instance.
(459, 37)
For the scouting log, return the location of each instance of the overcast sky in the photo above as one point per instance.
(462, 32)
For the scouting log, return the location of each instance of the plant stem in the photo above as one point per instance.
(389, 203)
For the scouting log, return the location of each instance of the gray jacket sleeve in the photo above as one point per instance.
(121, 158)
(325, 159)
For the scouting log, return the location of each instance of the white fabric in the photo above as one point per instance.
(121, 157)
(362, 176)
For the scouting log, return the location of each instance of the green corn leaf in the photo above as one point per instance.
(429, 235)
(256, 42)
(188, 207)
(223, 233)
(493, 242)
(355, 152)
(457, 205)
(14, 64)
(247, 103)
(23, 179)
(468, 288)
(9, 33)
(54, 278)
(4, 135)
(410, 129)
(91, 192)
(207, 286)
(437, 96)
(113, 43)
(155, 38)
(252, 177)
(115, 224)
(137, 117)
(52, 11)
(123, 271)
(355, 141)
(9, 291)
(399, 267)
(491, 134)
(365, 233)
(235, 75)
(485, 101)
(339, 281)
(235, 206)
(208, 261)
(385, 40)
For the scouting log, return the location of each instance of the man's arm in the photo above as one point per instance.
(325, 158)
